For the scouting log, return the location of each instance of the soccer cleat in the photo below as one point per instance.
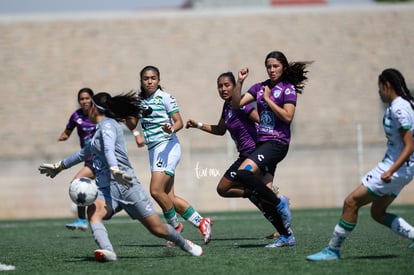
(81, 224)
(205, 229)
(326, 254)
(273, 236)
(179, 229)
(6, 267)
(284, 211)
(103, 255)
(283, 241)
(192, 248)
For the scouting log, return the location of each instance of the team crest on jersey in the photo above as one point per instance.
(158, 99)
(79, 120)
(276, 93)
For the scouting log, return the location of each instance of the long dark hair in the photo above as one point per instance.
(294, 72)
(118, 107)
(397, 82)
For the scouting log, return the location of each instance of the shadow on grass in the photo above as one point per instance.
(165, 253)
(250, 245)
(375, 257)
(234, 239)
(81, 259)
(142, 245)
(79, 237)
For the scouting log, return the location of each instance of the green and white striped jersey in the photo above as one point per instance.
(163, 106)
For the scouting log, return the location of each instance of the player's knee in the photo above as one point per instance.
(221, 191)
(155, 193)
(244, 176)
(350, 208)
(223, 187)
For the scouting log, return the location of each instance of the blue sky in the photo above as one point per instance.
(44, 6)
(48, 6)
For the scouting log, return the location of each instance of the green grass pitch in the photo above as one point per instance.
(46, 247)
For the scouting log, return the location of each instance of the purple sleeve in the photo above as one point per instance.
(290, 95)
(255, 89)
(247, 109)
(72, 121)
(223, 113)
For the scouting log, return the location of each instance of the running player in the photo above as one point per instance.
(85, 129)
(242, 126)
(118, 187)
(276, 102)
(383, 183)
(160, 124)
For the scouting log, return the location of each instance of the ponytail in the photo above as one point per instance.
(397, 82)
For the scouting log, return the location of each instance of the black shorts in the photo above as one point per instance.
(89, 164)
(231, 172)
(268, 154)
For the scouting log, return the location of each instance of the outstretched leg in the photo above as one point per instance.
(396, 223)
(353, 202)
(156, 227)
(96, 213)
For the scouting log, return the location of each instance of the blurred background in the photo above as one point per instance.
(50, 49)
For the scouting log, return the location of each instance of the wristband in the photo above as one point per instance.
(135, 133)
(199, 125)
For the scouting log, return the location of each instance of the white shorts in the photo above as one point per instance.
(372, 180)
(165, 156)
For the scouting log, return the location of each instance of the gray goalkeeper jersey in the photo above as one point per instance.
(107, 148)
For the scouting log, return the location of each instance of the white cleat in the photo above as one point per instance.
(6, 267)
(103, 255)
(193, 249)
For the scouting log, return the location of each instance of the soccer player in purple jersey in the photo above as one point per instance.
(85, 129)
(276, 101)
(242, 126)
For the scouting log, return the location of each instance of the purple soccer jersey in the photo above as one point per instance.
(84, 127)
(271, 127)
(241, 128)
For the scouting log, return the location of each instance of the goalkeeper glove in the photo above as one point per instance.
(51, 170)
(121, 177)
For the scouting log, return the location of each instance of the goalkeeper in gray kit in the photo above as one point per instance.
(118, 187)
